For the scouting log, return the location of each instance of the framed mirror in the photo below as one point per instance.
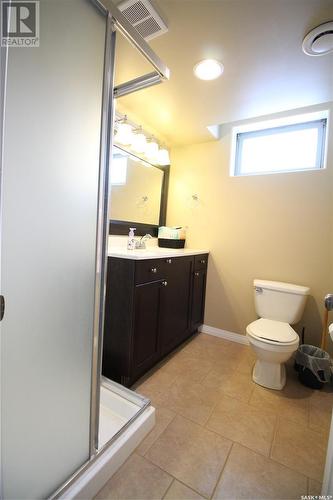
(138, 194)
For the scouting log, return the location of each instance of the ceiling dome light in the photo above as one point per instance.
(319, 41)
(208, 69)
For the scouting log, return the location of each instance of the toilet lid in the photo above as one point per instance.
(274, 331)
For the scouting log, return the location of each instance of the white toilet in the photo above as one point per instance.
(279, 305)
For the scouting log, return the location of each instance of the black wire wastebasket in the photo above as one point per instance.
(313, 366)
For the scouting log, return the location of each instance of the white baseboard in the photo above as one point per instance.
(224, 334)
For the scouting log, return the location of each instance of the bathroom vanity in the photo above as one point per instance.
(154, 301)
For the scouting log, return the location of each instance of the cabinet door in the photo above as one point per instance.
(198, 299)
(146, 326)
(176, 302)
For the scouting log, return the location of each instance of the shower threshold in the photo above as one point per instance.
(125, 420)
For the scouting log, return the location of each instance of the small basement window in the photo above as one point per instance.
(118, 170)
(291, 147)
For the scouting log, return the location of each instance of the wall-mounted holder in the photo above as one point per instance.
(328, 301)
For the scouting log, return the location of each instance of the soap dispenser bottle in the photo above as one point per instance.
(131, 239)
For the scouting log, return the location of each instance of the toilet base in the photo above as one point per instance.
(270, 375)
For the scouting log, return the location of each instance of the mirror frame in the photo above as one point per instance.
(121, 227)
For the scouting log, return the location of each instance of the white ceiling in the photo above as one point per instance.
(259, 43)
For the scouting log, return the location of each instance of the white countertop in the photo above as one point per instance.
(152, 252)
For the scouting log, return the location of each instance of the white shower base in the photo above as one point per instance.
(118, 406)
(115, 412)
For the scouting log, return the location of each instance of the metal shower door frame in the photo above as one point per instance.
(116, 21)
(107, 120)
(3, 80)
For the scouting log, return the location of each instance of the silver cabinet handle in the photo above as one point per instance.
(164, 283)
(203, 262)
(154, 270)
(168, 261)
(197, 274)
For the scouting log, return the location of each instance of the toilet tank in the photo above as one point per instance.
(280, 301)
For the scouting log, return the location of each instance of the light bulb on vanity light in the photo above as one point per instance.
(151, 150)
(124, 134)
(139, 141)
(163, 157)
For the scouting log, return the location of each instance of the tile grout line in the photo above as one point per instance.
(158, 467)
(173, 477)
(168, 488)
(210, 414)
(293, 469)
(308, 412)
(265, 457)
(250, 396)
(157, 437)
(274, 435)
(221, 473)
(234, 441)
(190, 488)
(272, 460)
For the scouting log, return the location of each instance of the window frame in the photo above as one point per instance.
(321, 125)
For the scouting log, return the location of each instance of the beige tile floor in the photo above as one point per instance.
(218, 435)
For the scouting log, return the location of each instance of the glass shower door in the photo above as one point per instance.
(49, 198)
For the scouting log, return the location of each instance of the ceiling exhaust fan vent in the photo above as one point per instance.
(319, 41)
(143, 16)
(147, 28)
(136, 12)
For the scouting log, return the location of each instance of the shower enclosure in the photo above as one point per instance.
(56, 137)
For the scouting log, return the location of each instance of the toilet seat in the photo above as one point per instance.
(272, 332)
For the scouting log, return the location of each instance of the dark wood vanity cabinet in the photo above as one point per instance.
(151, 307)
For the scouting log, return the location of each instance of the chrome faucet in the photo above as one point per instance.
(141, 243)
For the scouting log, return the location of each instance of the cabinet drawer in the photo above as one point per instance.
(200, 262)
(150, 270)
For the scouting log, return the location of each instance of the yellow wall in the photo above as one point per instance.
(276, 227)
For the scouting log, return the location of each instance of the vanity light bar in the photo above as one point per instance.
(128, 133)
